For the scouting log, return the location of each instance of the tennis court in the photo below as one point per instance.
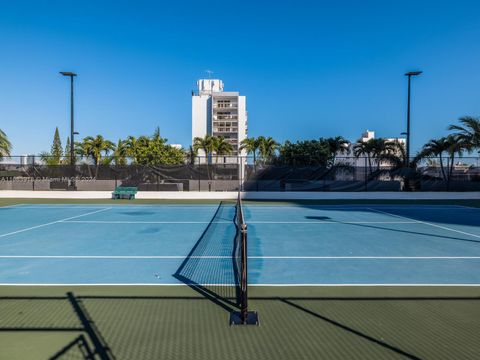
(328, 280)
(288, 245)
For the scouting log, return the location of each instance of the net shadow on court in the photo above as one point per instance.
(211, 267)
(183, 324)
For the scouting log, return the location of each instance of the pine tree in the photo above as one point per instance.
(56, 151)
(67, 151)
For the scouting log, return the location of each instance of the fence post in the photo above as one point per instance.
(239, 172)
(199, 173)
(33, 168)
(366, 173)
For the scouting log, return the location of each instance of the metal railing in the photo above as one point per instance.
(225, 106)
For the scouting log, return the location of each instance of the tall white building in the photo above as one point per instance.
(219, 113)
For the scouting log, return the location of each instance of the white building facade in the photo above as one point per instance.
(219, 113)
(368, 135)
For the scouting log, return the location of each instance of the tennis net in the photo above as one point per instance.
(240, 259)
(216, 266)
(208, 267)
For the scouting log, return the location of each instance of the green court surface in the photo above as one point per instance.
(296, 322)
(175, 322)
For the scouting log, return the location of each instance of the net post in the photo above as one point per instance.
(243, 316)
(365, 173)
(244, 280)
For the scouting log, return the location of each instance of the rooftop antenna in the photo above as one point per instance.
(209, 72)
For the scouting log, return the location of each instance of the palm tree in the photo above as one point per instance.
(338, 145)
(435, 148)
(394, 154)
(191, 155)
(131, 148)
(221, 147)
(207, 144)
(121, 152)
(380, 148)
(95, 147)
(454, 145)
(468, 132)
(364, 148)
(267, 147)
(374, 149)
(250, 145)
(449, 145)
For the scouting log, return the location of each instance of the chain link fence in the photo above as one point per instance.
(227, 173)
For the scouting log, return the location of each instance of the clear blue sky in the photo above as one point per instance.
(308, 68)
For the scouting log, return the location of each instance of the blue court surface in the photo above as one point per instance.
(287, 244)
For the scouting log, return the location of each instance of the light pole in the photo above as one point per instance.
(72, 127)
(409, 74)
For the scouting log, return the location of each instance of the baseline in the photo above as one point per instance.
(229, 257)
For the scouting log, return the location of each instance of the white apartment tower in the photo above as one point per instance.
(219, 113)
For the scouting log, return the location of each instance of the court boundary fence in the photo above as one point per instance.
(342, 174)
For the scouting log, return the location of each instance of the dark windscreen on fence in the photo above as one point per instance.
(233, 174)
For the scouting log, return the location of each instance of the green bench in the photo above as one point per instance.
(124, 193)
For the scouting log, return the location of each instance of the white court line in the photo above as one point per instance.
(145, 222)
(264, 285)
(10, 206)
(53, 222)
(46, 206)
(231, 222)
(366, 284)
(113, 206)
(349, 207)
(110, 257)
(427, 223)
(330, 222)
(467, 207)
(369, 257)
(230, 257)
